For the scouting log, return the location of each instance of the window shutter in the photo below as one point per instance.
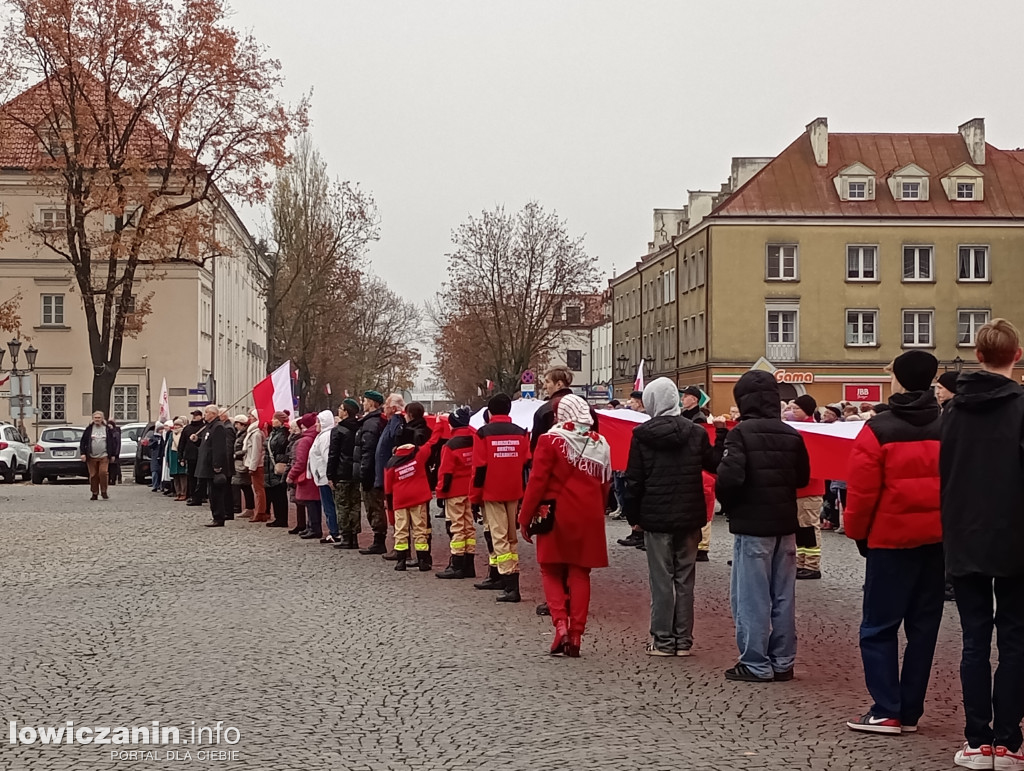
(924, 189)
(871, 188)
(898, 189)
(845, 187)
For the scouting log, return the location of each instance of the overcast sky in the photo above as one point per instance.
(604, 110)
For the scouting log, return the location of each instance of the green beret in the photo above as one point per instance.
(376, 396)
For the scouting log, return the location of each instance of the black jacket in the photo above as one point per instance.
(83, 445)
(695, 415)
(764, 464)
(340, 454)
(416, 432)
(277, 452)
(664, 485)
(982, 474)
(215, 451)
(365, 450)
(544, 417)
(190, 453)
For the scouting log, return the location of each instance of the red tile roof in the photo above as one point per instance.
(793, 185)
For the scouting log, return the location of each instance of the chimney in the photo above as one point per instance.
(973, 132)
(817, 130)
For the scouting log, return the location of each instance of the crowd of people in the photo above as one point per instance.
(934, 496)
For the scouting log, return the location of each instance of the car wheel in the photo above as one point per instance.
(52, 479)
(26, 474)
(9, 475)
(140, 479)
(37, 476)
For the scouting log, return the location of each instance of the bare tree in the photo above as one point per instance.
(507, 277)
(145, 114)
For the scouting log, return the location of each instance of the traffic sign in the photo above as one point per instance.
(528, 390)
(202, 403)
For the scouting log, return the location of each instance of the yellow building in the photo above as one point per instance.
(832, 259)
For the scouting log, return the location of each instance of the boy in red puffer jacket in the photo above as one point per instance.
(454, 477)
(407, 494)
(892, 511)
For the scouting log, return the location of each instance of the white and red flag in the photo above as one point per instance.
(274, 393)
(638, 384)
(165, 404)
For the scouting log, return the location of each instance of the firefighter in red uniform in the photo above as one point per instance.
(454, 476)
(500, 454)
(407, 494)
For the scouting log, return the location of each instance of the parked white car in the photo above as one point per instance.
(15, 453)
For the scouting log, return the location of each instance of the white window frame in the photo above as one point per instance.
(860, 278)
(863, 183)
(782, 307)
(971, 186)
(916, 342)
(782, 276)
(55, 212)
(972, 326)
(916, 279)
(54, 321)
(48, 397)
(973, 263)
(910, 184)
(857, 339)
(119, 403)
(701, 268)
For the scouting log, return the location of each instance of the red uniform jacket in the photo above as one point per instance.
(500, 452)
(578, 537)
(892, 494)
(456, 470)
(405, 475)
(709, 493)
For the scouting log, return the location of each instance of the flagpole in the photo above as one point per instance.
(236, 401)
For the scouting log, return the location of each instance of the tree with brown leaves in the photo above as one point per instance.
(145, 115)
(507, 277)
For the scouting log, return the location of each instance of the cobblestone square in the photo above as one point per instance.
(128, 611)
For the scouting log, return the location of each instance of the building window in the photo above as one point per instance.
(782, 334)
(917, 263)
(572, 314)
(965, 191)
(51, 403)
(911, 191)
(917, 328)
(782, 262)
(857, 191)
(125, 406)
(861, 328)
(968, 324)
(701, 267)
(53, 310)
(972, 263)
(862, 263)
(53, 219)
(574, 360)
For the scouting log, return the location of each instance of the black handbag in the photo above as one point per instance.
(544, 520)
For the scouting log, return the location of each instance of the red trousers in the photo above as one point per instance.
(567, 590)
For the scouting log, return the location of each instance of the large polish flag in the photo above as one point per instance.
(274, 393)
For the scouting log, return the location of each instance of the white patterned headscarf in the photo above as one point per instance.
(580, 445)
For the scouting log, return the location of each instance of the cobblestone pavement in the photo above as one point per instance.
(128, 611)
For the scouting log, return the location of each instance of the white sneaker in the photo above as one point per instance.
(650, 650)
(1008, 761)
(975, 757)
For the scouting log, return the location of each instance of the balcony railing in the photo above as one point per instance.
(780, 352)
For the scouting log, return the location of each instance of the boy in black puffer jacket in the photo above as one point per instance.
(665, 496)
(764, 464)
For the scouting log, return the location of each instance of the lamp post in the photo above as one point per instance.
(21, 400)
(622, 361)
(149, 408)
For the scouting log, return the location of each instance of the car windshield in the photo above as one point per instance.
(132, 434)
(62, 435)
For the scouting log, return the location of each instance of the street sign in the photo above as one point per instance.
(197, 391)
(528, 390)
(202, 403)
(211, 388)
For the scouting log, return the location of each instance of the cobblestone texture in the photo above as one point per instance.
(129, 611)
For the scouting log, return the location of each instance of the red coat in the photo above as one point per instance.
(578, 537)
(709, 493)
(456, 471)
(305, 487)
(892, 493)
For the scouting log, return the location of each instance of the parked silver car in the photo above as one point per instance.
(57, 454)
(130, 435)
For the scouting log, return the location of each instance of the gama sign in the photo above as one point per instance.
(785, 376)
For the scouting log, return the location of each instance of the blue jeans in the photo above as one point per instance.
(156, 468)
(330, 510)
(901, 586)
(763, 596)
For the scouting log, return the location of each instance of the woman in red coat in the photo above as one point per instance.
(306, 491)
(569, 481)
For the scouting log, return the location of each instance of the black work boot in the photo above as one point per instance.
(469, 565)
(493, 580)
(511, 593)
(400, 563)
(454, 569)
(377, 547)
(424, 561)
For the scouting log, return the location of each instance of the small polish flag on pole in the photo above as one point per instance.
(490, 385)
(274, 393)
(327, 389)
(638, 384)
(347, 394)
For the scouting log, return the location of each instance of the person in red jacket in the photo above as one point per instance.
(808, 502)
(892, 511)
(500, 454)
(569, 482)
(453, 478)
(407, 494)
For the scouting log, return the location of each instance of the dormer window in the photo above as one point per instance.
(909, 183)
(911, 191)
(965, 191)
(964, 183)
(856, 183)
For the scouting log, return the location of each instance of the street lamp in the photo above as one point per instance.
(30, 356)
(623, 360)
(21, 400)
(14, 347)
(958, 365)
